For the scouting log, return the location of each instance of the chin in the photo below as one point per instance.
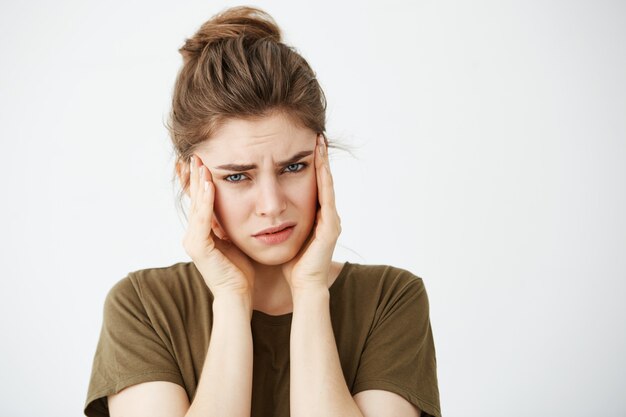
(273, 255)
(273, 258)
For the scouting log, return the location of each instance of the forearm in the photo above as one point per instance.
(225, 386)
(317, 385)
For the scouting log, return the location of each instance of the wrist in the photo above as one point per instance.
(230, 303)
(310, 292)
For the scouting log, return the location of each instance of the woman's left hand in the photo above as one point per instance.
(310, 268)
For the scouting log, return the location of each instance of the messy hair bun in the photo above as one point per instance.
(232, 23)
(236, 66)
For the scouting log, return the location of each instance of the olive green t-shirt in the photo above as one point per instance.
(157, 327)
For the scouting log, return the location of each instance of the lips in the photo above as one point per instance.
(275, 229)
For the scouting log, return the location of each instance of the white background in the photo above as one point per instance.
(491, 157)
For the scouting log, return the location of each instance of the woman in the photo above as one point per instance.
(262, 322)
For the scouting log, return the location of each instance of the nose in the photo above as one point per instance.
(271, 200)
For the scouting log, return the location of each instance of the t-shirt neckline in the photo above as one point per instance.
(282, 319)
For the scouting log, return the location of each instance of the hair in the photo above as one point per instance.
(236, 66)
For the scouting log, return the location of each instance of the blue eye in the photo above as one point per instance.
(291, 169)
(298, 167)
(231, 179)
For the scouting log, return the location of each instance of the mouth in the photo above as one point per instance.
(275, 229)
(276, 237)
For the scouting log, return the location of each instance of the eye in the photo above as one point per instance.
(234, 178)
(291, 168)
(295, 167)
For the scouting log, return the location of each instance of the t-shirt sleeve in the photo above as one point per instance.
(129, 351)
(399, 353)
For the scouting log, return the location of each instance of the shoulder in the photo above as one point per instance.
(377, 287)
(177, 283)
(173, 277)
(386, 277)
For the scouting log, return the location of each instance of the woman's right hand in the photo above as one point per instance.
(224, 267)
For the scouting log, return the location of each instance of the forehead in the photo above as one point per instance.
(275, 134)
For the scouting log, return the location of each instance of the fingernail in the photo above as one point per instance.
(321, 143)
(191, 163)
(206, 185)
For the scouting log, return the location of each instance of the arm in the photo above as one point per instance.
(317, 384)
(318, 387)
(381, 403)
(225, 386)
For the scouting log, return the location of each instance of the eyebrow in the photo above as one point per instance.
(248, 167)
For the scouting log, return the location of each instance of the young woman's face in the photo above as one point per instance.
(274, 184)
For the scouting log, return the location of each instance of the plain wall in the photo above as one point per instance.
(491, 157)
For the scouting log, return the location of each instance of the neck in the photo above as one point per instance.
(271, 291)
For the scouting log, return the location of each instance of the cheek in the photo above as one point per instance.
(302, 195)
(227, 207)
(313, 191)
(309, 196)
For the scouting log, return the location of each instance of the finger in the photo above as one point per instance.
(219, 243)
(319, 166)
(217, 228)
(209, 190)
(207, 181)
(193, 172)
(319, 169)
(199, 179)
(201, 208)
(326, 192)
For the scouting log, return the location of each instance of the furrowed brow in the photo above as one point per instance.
(248, 167)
